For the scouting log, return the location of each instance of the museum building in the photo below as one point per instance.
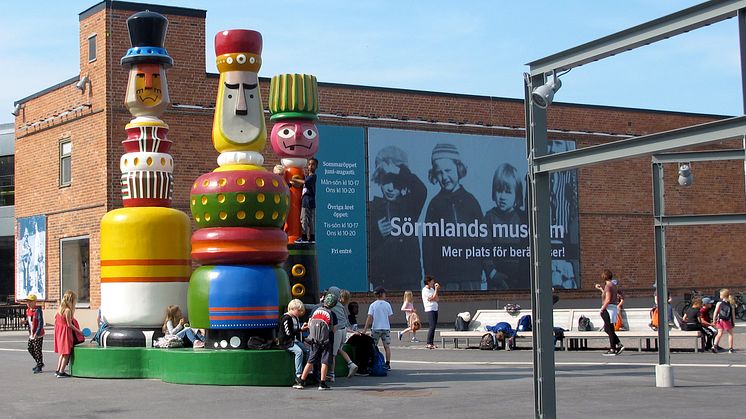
(68, 145)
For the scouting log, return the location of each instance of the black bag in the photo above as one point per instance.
(78, 338)
(584, 324)
(461, 324)
(363, 345)
(258, 342)
(488, 342)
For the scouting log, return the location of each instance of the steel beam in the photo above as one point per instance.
(647, 33)
(700, 219)
(722, 130)
(690, 156)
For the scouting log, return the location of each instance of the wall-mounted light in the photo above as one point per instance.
(685, 174)
(17, 109)
(80, 85)
(543, 95)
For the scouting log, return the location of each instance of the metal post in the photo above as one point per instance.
(742, 49)
(663, 373)
(545, 405)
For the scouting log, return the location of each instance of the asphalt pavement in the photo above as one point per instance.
(439, 383)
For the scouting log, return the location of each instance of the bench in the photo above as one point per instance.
(484, 318)
(636, 326)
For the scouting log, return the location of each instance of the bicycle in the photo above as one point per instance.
(740, 305)
(683, 305)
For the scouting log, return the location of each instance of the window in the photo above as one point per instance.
(92, 48)
(7, 180)
(75, 268)
(66, 152)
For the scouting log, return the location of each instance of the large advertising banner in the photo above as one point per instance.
(454, 206)
(31, 257)
(340, 208)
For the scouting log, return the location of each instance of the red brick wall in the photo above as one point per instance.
(616, 223)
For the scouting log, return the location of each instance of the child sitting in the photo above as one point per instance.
(290, 334)
(182, 330)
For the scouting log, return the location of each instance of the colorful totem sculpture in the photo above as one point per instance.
(240, 290)
(294, 105)
(145, 263)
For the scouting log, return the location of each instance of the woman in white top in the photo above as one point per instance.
(430, 301)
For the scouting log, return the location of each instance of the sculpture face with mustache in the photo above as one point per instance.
(147, 90)
(239, 115)
(295, 138)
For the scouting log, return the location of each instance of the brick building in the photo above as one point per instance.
(68, 145)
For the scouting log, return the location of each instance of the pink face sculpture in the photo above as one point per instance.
(295, 138)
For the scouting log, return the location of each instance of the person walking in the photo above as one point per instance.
(724, 320)
(378, 319)
(609, 312)
(430, 299)
(35, 323)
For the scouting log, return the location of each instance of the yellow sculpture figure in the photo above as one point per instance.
(239, 132)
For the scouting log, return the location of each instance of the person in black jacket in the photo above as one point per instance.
(290, 334)
(395, 259)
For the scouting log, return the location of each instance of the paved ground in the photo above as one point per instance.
(442, 383)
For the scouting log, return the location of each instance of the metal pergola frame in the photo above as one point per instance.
(541, 165)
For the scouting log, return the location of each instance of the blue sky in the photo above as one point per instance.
(475, 47)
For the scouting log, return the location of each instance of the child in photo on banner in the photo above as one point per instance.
(507, 232)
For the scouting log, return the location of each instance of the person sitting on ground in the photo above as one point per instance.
(353, 308)
(409, 311)
(709, 330)
(290, 334)
(174, 324)
(378, 319)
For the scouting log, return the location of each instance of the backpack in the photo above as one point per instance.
(378, 367)
(319, 326)
(584, 324)
(488, 342)
(461, 324)
(524, 323)
(619, 324)
(654, 318)
(725, 311)
(363, 353)
(258, 342)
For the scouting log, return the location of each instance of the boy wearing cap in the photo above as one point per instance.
(378, 315)
(35, 323)
(321, 352)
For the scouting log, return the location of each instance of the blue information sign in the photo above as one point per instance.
(340, 208)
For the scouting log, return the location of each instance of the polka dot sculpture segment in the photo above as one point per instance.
(239, 199)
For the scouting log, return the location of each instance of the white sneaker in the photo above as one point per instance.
(398, 335)
(352, 369)
(415, 340)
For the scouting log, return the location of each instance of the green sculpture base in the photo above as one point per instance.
(190, 366)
